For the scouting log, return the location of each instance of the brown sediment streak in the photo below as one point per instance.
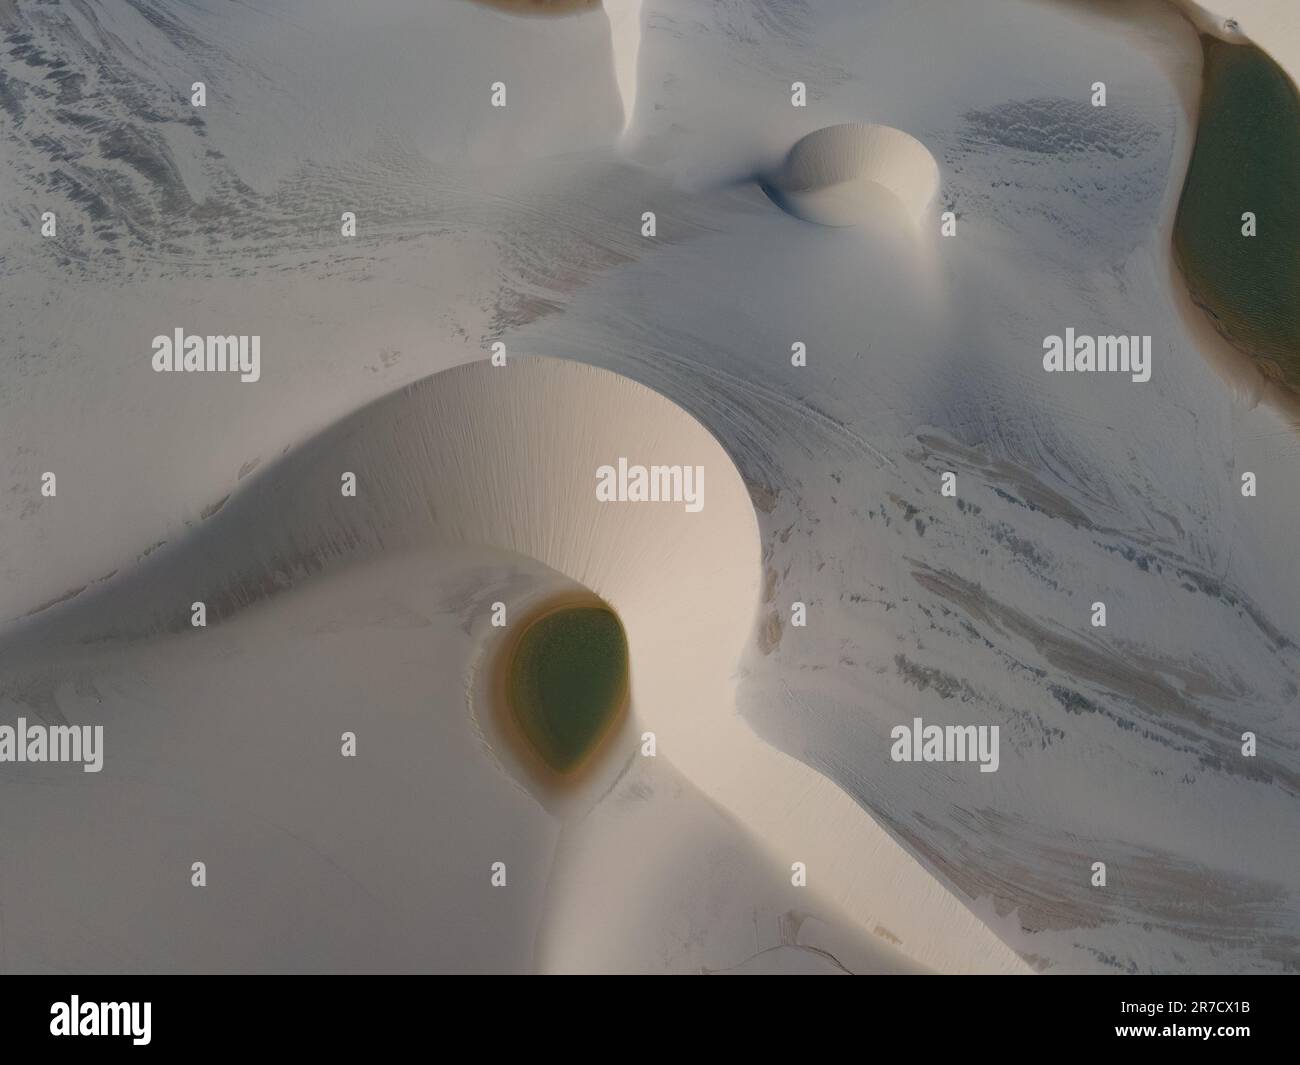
(1160, 889)
(1162, 711)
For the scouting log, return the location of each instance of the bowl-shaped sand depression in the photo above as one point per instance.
(839, 175)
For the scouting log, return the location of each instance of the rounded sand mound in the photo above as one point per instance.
(838, 175)
(511, 459)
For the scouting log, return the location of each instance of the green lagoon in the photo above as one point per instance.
(1246, 158)
(567, 682)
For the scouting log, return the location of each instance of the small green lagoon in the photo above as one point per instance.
(567, 682)
(1246, 158)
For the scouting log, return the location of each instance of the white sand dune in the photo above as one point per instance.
(523, 224)
(452, 462)
(625, 43)
(833, 176)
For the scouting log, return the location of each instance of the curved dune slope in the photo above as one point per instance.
(625, 41)
(507, 458)
(835, 176)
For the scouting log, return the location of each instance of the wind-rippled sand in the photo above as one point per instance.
(523, 225)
